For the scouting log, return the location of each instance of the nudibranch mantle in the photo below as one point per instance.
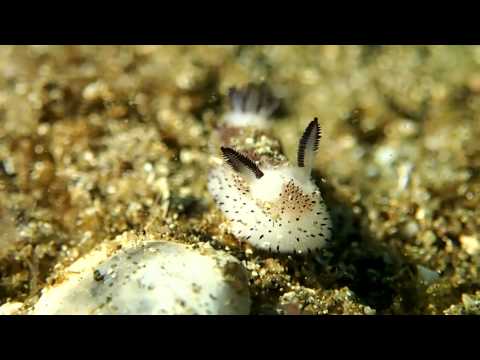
(274, 207)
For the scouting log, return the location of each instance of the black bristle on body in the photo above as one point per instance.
(311, 137)
(239, 162)
(253, 98)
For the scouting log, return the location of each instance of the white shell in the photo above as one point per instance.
(10, 308)
(155, 277)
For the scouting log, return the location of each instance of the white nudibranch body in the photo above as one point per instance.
(274, 207)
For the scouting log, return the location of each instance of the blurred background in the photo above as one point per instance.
(99, 140)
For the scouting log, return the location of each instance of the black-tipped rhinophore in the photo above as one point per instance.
(308, 144)
(241, 163)
(253, 99)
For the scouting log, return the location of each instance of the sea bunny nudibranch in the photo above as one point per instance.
(268, 202)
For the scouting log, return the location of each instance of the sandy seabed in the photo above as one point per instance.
(96, 141)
